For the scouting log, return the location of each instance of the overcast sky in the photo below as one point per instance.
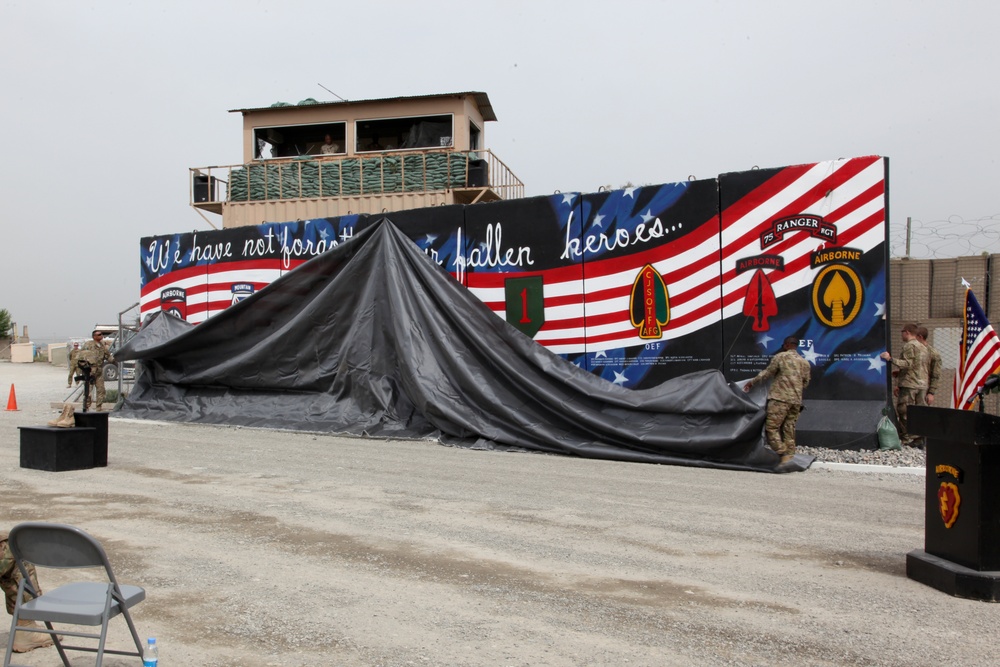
(107, 104)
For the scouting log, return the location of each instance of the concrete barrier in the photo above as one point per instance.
(22, 353)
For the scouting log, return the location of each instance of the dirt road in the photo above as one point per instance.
(262, 548)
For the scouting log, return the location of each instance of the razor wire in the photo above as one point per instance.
(954, 236)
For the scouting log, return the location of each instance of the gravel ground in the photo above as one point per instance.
(907, 457)
(265, 548)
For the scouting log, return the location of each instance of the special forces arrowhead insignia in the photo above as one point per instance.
(760, 302)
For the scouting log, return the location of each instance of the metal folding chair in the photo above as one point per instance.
(53, 545)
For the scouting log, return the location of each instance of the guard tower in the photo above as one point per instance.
(327, 159)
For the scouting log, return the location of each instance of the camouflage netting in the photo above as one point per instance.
(349, 177)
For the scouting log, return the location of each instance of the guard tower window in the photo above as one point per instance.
(474, 136)
(414, 132)
(295, 140)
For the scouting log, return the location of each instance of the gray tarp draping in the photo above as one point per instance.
(373, 338)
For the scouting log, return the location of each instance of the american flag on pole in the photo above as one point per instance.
(978, 354)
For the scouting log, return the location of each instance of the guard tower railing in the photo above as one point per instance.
(479, 175)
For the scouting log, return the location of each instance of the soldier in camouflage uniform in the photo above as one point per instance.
(911, 382)
(10, 578)
(74, 354)
(933, 366)
(784, 400)
(96, 352)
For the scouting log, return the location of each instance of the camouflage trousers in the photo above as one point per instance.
(907, 396)
(98, 384)
(779, 426)
(10, 576)
(74, 370)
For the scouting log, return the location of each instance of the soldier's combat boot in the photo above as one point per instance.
(29, 641)
(65, 418)
(53, 422)
(786, 465)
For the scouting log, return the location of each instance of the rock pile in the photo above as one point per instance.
(907, 457)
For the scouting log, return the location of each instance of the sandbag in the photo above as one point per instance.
(888, 436)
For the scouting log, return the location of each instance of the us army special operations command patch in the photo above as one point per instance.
(837, 293)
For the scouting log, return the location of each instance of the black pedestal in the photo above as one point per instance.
(99, 422)
(56, 449)
(952, 578)
(961, 553)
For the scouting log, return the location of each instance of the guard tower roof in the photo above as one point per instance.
(482, 101)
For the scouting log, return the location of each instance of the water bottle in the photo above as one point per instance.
(150, 657)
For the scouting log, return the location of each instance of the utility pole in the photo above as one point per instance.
(909, 222)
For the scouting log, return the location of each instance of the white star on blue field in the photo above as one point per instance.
(876, 364)
(811, 355)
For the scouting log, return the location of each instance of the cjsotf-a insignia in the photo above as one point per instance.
(649, 303)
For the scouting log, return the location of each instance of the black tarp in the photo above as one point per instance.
(373, 338)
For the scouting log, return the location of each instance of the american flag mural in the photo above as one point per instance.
(804, 254)
(203, 273)
(637, 285)
(597, 258)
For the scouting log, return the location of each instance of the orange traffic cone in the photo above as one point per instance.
(12, 400)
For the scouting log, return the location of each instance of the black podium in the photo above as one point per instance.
(961, 554)
(99, 422)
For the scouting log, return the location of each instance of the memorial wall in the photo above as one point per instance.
(637, 285)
